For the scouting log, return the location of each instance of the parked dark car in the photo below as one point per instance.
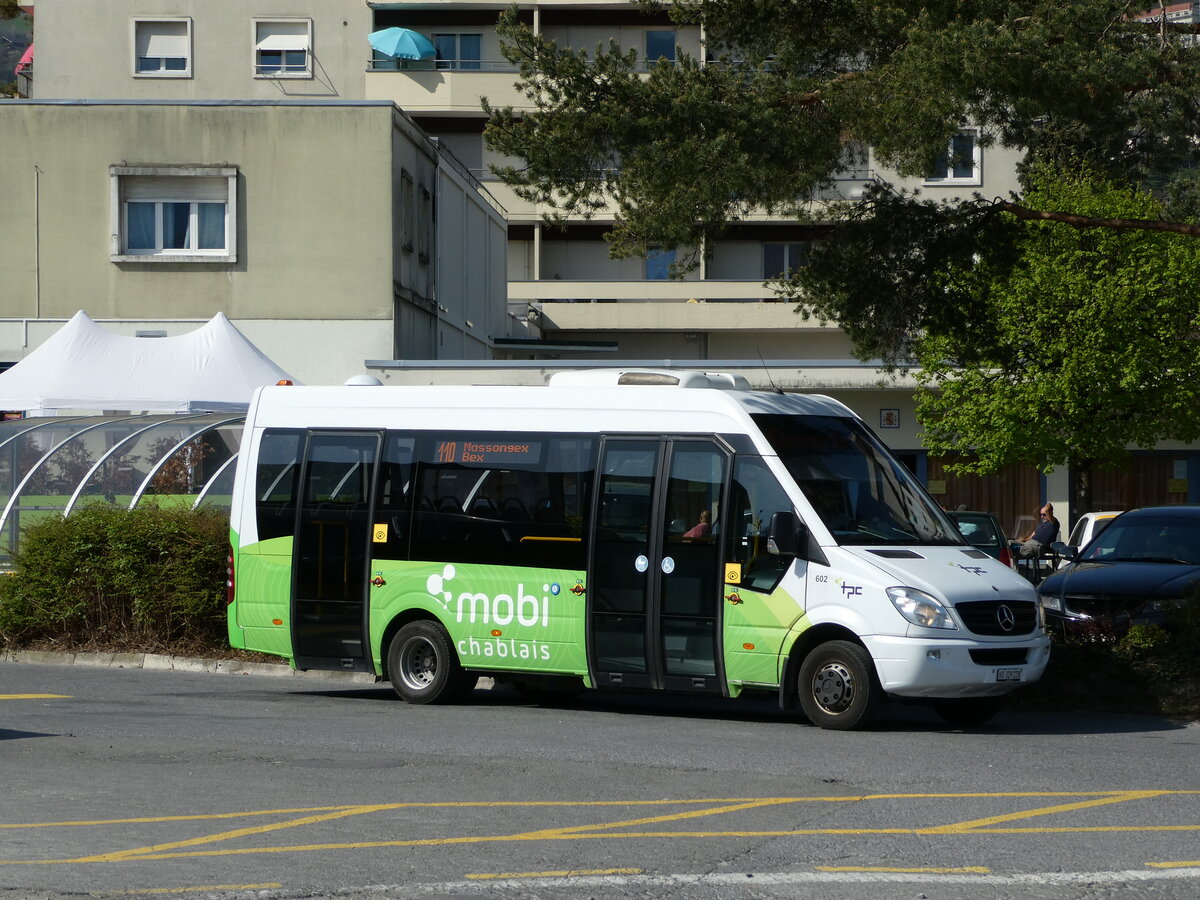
(983, 532)
(1134, 572)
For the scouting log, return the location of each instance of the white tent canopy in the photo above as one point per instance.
(83, 366)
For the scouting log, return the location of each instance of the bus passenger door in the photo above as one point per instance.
(655, 582)
(331, 563)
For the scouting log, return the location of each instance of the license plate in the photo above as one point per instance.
(1008, 674)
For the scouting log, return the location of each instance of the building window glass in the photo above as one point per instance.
(281, 48)
(781, 259)
(658, 264)
(174, 214)
(163, 48)
(660, 45)
(458, 51)
(961, 163)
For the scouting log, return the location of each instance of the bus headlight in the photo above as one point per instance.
(920, 608)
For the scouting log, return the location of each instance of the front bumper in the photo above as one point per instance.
(932, 667)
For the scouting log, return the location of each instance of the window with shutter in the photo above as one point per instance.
(162, 48)
(168, 214)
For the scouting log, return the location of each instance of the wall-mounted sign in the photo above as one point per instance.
(889, 418)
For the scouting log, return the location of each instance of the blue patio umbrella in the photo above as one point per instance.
(403, 43)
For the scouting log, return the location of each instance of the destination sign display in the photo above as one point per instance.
(489, 452)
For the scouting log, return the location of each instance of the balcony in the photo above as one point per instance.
(659, 306)
(427, 87)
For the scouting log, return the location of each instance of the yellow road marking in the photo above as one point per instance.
(973, 824)
(35, 697)
(447, 804)
(498, 804)
(620, 829)
(690, 814)
(209, 887)
(561, 873)
(1175, 865)
(230, 835)
(922, 870)
(535, 836)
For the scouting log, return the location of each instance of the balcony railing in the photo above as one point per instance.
(460, 65)
(440, 65)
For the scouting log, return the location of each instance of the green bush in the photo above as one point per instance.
(1143, 642)
(148, 579)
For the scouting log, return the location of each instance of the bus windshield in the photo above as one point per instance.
(862, 494)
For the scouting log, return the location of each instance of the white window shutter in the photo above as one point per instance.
(162, 40)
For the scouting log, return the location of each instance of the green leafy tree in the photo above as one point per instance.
(1091, 341)
(687, 149)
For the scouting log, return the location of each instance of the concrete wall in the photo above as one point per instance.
(314, 232)
(314, 225)
(472, 260)
(85, 50)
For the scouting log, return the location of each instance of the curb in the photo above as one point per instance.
(162, 662)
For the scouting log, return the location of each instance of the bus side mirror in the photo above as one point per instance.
(787, 535)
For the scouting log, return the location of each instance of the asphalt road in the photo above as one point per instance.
(129, 782)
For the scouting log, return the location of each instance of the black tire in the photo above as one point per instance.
(966, 712)
(837, 686)
(423, 666)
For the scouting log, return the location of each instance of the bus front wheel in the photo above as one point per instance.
(836, 686)
(423, 666)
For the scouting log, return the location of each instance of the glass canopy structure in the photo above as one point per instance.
(53, 465)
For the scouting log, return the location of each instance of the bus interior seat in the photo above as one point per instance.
(513, 510)
(483, 506)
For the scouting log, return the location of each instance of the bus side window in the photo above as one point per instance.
(393, 505)
(502, 499)
(755, 496)
(275, 480)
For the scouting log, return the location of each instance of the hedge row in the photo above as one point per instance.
(149, 579)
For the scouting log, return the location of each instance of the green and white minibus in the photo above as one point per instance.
(656, 530)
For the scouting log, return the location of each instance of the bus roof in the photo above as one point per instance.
(690, 406)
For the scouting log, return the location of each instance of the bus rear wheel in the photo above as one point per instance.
(423, 666)
(836, 686)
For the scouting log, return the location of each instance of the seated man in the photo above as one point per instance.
(1043, 535)
(702, 529)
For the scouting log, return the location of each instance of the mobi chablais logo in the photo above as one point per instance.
(479, 608)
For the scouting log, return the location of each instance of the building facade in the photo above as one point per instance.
(563, 299)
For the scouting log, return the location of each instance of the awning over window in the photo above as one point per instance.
(25, 62)
(282, 36)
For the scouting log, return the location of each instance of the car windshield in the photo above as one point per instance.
(861, 493)
(979, 529)
(1164, 539)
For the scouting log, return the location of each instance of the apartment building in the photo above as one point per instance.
(153, 188)
(564, 300)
